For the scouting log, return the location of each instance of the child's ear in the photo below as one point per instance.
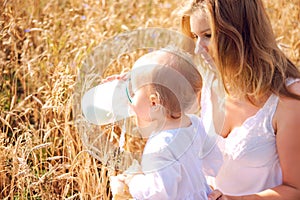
(153, 99)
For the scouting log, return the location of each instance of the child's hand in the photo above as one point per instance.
(134, 168)
(117, 184)
(118, 188)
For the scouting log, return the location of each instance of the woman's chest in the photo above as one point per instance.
(252, 143)
(237, 112)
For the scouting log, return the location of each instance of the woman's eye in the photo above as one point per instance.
(207, 35)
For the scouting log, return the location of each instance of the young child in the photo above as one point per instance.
(164, 86)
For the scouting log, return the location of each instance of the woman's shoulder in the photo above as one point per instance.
(288, 110)
(294, 85)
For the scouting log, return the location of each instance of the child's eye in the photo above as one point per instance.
(129, 91)
(132, 94)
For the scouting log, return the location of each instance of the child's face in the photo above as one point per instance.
(141, 105)
(140, 88)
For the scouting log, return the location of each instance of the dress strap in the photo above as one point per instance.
(273, 99)
(290, 81)
(271, 103)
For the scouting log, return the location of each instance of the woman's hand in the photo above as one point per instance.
(122, 76)
(217, 195)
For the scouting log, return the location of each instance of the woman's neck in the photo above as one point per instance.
(252, 100)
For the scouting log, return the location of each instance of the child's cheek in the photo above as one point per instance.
(131, 110)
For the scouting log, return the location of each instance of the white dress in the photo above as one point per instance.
(250, 158)
(171, 166)
(251, 162)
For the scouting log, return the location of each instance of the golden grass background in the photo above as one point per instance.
(42, 46)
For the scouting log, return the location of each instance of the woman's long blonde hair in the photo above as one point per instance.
(244, 48)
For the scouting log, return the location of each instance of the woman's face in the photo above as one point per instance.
(201, 32)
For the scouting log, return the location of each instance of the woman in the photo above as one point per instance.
(261, 128)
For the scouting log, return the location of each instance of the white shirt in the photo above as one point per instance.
(171, 166)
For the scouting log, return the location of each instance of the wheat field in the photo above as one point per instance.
(43, 44)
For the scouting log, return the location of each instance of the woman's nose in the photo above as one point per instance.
(200, 46)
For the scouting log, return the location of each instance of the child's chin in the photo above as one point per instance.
(142, 123)
(146, 127)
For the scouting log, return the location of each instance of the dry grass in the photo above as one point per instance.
(42, 46)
